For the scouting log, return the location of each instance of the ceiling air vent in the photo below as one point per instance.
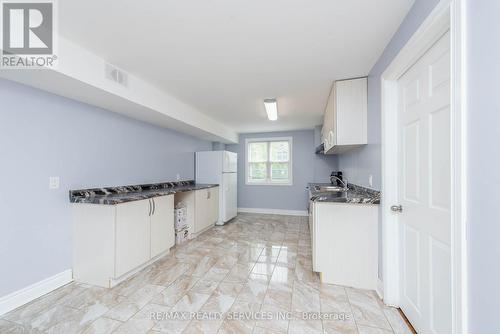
(115, 74)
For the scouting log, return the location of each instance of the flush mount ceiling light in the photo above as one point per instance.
(271, 109)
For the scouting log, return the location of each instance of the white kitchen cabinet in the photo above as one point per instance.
(213, 204)
(328, 120)
(112, 242)
(133, 236)
(206, 208)
(345, 117)
(312, 232)
(202, 208)
(162, 227)
(344, 240)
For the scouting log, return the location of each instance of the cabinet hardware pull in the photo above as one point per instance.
(149, 201)
(397, 208)
(154, 206)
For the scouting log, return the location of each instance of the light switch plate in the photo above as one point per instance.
(370, 180)
(54, 182)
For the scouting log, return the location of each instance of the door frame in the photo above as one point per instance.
(447, 15)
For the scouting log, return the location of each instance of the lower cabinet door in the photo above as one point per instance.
(312, 231)
(214, 205)
(133, 234)
(162, 225)
(201, 210)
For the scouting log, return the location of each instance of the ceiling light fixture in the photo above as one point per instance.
(271, 109)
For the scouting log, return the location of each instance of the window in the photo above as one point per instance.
(269, 161)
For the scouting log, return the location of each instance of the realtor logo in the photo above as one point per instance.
(27, 34)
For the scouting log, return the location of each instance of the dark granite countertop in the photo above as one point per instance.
(123, 194)
(355, 194)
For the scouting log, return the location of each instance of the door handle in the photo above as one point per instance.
(149, 201)
(397, 208)
(330, 137)
(154, 206)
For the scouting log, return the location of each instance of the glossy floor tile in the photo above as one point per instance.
(253, 275)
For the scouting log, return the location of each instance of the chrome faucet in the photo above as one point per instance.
(344, 184)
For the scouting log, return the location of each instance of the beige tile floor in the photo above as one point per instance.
(257, 263)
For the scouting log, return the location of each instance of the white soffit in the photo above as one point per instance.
(80, 75)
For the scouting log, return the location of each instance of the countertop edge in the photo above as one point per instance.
(137, 196)
(356, 195)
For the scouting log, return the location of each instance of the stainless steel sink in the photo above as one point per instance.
(329, 189)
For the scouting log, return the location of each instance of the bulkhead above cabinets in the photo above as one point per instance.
(345, 117)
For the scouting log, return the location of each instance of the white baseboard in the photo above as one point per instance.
(380, 288)
(29, 293)
(274, 211)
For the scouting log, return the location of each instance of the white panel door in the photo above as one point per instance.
(132, 235)
(425, 190)
(230, 196)
(162, 225)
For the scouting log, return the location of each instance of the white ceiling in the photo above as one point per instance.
(225, 56)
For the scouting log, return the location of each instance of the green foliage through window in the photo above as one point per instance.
(268, 162)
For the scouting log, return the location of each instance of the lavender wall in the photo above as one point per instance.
(44, 135)
(361, 163)
(307, 167)
(483, 211)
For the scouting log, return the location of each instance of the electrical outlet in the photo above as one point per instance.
(54, 182)
(178, 177)
(370, 180)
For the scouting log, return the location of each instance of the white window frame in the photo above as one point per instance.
(268, 181)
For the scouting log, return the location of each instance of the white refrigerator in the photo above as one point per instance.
(220, 167)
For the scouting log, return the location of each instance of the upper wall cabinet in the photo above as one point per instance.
(345, 119)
